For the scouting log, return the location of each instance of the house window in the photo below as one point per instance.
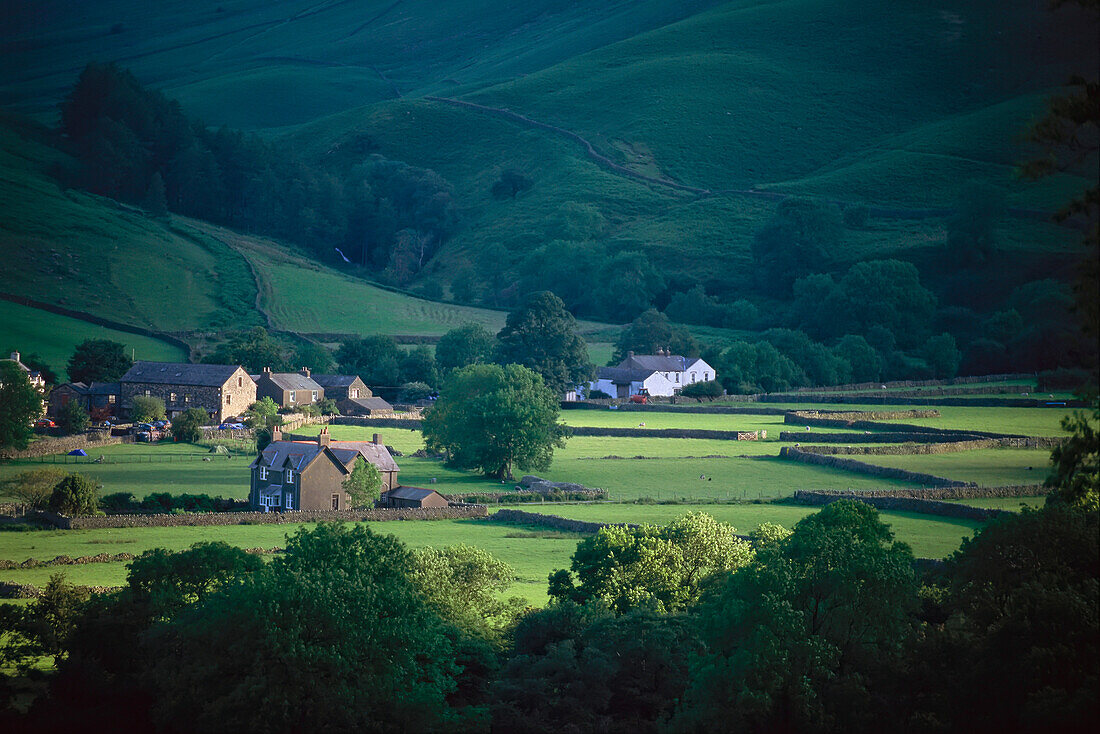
(64, 400)
(187, 398)
(677, 377)
(228, 399)
(240, 382)
(148, 394)
(354, 392)
(705, 378)
(171, 397)
(292, 396)
(111, 399)
(313, 396)
(290, 502)
(693, 377)
(276, 500)
(263, 472)
(336, 502)
(289, 476)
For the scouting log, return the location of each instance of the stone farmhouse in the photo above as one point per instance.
(352, 395)
(288, 389)
(662, 374)
(221, 390)
(99, 399)
(309, 475)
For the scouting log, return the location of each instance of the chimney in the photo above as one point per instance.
(378, 439)
(267, 371)
(304, 371)
(323, 438)
(630, 355)
(276, 434)
(15, 356)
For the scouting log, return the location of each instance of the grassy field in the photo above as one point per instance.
(143, 468)
(531, 553)
(53, 337)
(989, 467)
(1020, 421)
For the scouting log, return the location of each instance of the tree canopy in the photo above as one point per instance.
(494, 418)
(462, 346)
(20, 404)
(364, 484)
(542, 336)
(651, 331)
(98, 360)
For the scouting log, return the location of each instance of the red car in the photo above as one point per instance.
(44, 423)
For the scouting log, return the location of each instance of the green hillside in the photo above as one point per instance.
(95, 256)
(53, 337)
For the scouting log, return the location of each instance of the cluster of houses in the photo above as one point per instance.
(222, 391)
(290, 475)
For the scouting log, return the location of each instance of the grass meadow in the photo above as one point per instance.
(54, 337)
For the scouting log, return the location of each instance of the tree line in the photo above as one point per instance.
(827, 627)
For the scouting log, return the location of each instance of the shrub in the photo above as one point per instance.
(188, 427)
(75, 495)
(598, 395)
(145, 409)
(709, 390)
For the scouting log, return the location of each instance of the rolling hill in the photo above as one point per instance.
(680, 124)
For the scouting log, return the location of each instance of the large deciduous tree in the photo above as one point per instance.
(659, 567)
(376, 359)
(651, 331)
(800, 638)
(465, 345)
(20, 404)
(364, 484)
(253, 349)
(542, 336)
(494, 418)
(330, 636)
(98, 360)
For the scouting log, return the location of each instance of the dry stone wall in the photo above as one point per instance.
(947, 447)
(859, 467)
(553, 521)
(454, 512)
(47, 445)
(901, 504)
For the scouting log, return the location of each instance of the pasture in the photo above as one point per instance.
(54, 337)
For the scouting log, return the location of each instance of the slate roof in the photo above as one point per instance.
(293, 381)
(327, 381)
(623, 376)
(372, 403)
(300, 454)
(103, 388)
(410, 493)
(176, 373)
(375, 453)
(657, 363)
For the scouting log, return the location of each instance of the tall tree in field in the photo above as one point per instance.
(652, 331)
(20, 404)
(542, 335)
(465, 345)
(493, 418)
(98, 360)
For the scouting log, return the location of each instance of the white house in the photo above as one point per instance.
(622, 383)
(678, 370)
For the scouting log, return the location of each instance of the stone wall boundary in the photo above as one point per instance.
(859, 467)
(553, 521)
(902, 504)
(946, 447)
(47, 445)
(946, 493)
(456, 511)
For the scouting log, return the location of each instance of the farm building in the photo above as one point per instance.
(622, 383)
(309, 475)
(219, 389)
(288, 389)
(412, 497)
(99, 399)
(352, 395)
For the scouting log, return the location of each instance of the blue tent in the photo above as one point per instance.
(78, 452)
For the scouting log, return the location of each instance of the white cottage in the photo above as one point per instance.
(678, 370)
(622, 383)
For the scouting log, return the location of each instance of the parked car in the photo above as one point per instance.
(162, 425)
(231, 427)
(44, 423)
